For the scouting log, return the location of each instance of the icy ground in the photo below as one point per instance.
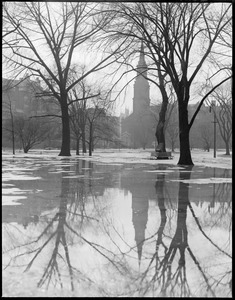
(199, 157)
(107, 156)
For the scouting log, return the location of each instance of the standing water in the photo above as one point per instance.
(72, 227)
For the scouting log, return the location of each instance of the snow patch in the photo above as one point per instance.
(74, 176)
(7, 184)
(10, 200)
(14, 191)
(10, 176)
(205, 180)
(159, 171)
(177, 168)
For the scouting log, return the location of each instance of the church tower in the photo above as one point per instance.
(141, 100)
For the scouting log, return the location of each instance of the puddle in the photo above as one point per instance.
(157, 231)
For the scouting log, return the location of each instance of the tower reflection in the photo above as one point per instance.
(142, 190)
(159, 188)
(140, 206)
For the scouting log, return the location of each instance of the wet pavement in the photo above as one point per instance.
(81, 228)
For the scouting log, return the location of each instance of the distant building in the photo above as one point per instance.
(125, 114)
(26, 98)
(22, 94)
(139, 126)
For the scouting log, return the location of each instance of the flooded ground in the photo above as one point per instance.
(73, 227)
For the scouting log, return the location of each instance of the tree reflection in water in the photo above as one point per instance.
(60, 230)
(56, 232)
(165, 275)
(170, 279)
(223, 193)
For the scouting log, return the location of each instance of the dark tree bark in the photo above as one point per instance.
(185, 153)
(160, 130)
(159, 187)
(65, 147)
(83, 142)
(90, 140)
(77, 146)
(227, 148)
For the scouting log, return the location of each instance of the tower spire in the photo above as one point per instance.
(141, 100)
(142, 66)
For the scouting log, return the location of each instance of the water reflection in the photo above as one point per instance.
(140, 206)
(172, 238)
(170, 275)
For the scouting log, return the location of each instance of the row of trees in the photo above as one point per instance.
(90, 119)
(61, 28)
(90, 126)
(26, 133)
(90, 123)
(203, 132)
(182, 40)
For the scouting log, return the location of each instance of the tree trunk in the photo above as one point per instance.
(160, 132)
(180, 239)
(83, 141)
(13, 143)
(161, 147)
(159, 187)
(26, 150)
(90, 141)
(65, 147)
(227, 148)
(12, 132)
(185, 153)
(77, 146)
(90, 148)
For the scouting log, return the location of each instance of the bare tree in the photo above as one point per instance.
(95, 113)
(30, 132)
(223, 114)
(89, 113)
(75, 119)
(172, 133)
(106, 130)
(130, 25)
(44, 41)
(78, 113)
(173, 32)
(206, 137)
(8, 124)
